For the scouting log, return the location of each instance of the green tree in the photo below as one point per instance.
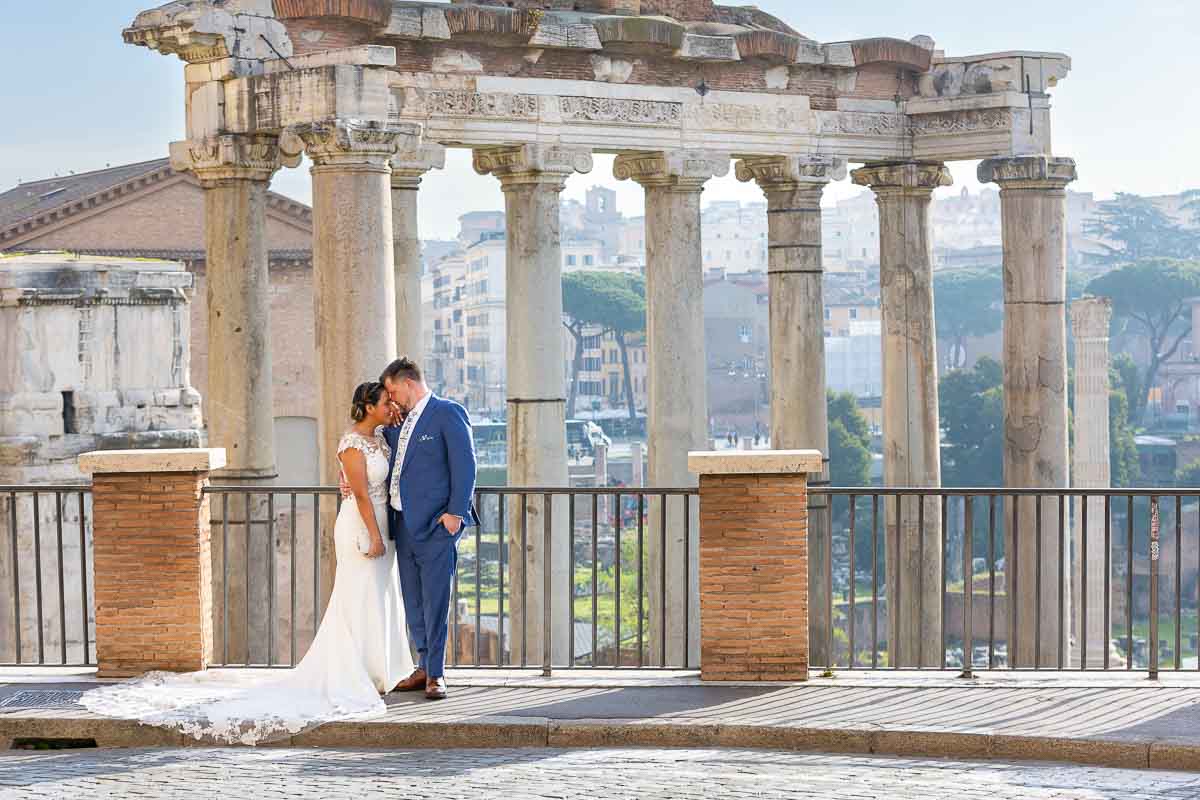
(1152, 296)
(849, 442)
(1137, 230)
(1188, 477)
(614, 302)
(1124, 468)
(969, 303)
(1126, 378)
(972, 416)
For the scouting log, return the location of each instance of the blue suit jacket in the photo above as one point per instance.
(438, 473)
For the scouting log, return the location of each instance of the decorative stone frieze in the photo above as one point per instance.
(231, 157)
(952, 122)
(344, 142)
(677, 167)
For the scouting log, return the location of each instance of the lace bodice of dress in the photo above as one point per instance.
(375, 449)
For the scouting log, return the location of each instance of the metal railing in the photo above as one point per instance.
(46, 601)
(620, 592)
(1121, 566)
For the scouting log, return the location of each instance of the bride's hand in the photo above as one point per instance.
(377, 547)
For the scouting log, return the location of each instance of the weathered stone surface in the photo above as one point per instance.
(198, 31)
(765, 462)
(1090, 469)
(407, 169)
(1033, 217)
(911, 433)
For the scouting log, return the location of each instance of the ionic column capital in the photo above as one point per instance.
(409, 166)
(788, 173)
(913, 178)
(1090, 317)
(215, 160)
(686, 170)
(548, 164)
(355, 144)
(1028, 172)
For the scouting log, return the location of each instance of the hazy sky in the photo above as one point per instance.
(75, 97)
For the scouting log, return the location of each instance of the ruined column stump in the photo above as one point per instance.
(153, 569)
(754, 564)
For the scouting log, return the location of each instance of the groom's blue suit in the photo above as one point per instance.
(436, 478)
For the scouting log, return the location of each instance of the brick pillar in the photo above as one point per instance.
(754, 563)
(153, 569)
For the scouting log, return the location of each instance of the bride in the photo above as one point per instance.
(360, 650)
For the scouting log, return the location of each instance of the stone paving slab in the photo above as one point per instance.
(518, 774)
(1117, 721)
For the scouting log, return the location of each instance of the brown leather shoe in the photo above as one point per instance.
(435, 689)
(413, 683)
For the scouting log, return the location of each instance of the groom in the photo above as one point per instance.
(431, 486)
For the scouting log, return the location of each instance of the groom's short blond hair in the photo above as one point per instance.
(401, 369)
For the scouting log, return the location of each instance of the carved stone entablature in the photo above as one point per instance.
(687, 169)
(639, 32)
(532, 163)
(231, 157)
(608, 109)
(492, 105)
(774, 173)
(197, 31)
(1028, 172)
(994, 72)
(352, 142)
(369, 12)
(909, 177)
(1090, 317)
(953, 122)
(866, 123)
(411, 165)
(488, 23)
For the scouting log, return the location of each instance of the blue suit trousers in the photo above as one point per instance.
(426, 576)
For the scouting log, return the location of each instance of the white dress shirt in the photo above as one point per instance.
(410, 424)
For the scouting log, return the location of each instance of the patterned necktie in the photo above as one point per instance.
(401, 447)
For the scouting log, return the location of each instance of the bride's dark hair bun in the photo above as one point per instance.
(367, 394)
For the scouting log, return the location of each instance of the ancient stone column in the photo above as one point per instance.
(793, 188)
(353, 275)
(911, 455)
(407, 169)
(677, 417)
(235, 171)
(1091, 469)
(532, 178)
(1033, 218)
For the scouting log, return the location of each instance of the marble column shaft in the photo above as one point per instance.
(1091, 469)
(353, 276)
(1033, 220)
(532, 178)
(407, 170)
(799, 412)
(911, 432)
(677, 417)
(235, 172)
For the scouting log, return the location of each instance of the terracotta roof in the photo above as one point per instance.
(32, 205)
(30, 200)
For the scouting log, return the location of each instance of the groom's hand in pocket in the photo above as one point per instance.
(452, 523)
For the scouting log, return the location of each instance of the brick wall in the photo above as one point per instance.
(153, 575)
(753, 577)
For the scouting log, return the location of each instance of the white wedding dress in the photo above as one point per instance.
(359, 653)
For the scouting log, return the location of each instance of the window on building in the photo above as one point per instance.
(828, 314)
(570, 261)
(591, 364)
(744, 333)
(588, 261)
(591, 342)
(854, 313)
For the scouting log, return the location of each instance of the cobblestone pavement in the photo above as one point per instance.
(600, 774)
